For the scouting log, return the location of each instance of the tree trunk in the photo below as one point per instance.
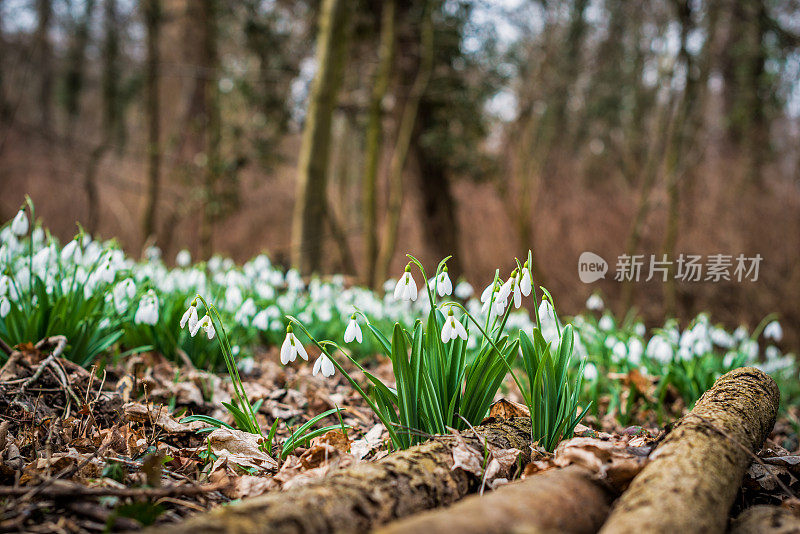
(76, 62)
(43, 51)
(312, 177)
(765, 518)
(404, 132)
(211, 127)
(374, 136)
(694, 474)
(152, 17)
(367, 494)
(675, 157)
(111, 74)
(437, 213)
(567, 500)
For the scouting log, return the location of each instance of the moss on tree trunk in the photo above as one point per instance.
(765, 518)
(558, 500)
(365, 495)
(694, 474)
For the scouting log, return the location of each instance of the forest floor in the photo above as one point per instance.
(103, 450)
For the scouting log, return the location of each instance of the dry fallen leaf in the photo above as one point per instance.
(506, 409)
(158, 416)
(240, 448)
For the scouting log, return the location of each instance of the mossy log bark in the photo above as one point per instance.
(567, 500)
(367, 494)
(765, 518)
(694, 474)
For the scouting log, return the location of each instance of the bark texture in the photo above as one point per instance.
(765, 518)
(694, 474)
(365, 495)
(564, 500)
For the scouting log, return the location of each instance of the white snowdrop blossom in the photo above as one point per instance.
(123, 292)
(443, 283)
(5, 307)
(606, 323)
(590, 372)
(183, 258)
(526, 280)
(325, 365)
(773, 331)
(206, 324)
(261, 320)
(190, 317)
(594, 303)
(660, 349)
(353, 331)
(19, 226)
(292, 347)
(517, 293)
(147, 312)
(463, 290)
(452, 328)
(71, 252)
(406, 288)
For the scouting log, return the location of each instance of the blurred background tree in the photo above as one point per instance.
(339, 135)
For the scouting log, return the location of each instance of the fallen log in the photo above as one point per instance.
(766, 518)
(694, 474)
(368, 494)
(567, 500)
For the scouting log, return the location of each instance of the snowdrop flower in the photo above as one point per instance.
(486, 295)
(406, 288)
(498, 305)
(517, 293)
(526, 280)
(640, 330)
(773, 331)
(5, 307)
(325, 365)
(70, 252)
(772, 352)
(190, 317)
(147, 313)
(635, 350)
(452, 328)
(206, 324)
(463, 290)
(123, 292)
(594, 303)
(505, 289)
(246, 365)
(590, 372)
(152, 253)
(19, 226)
(606, 323)
(620, 350)
(292, 347)
(660, 349)
(183, 258)
(443, 283)
(261, 320)
(353, 331)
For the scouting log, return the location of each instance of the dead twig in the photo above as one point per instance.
(67, 489)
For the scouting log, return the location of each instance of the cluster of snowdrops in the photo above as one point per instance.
(451, 350)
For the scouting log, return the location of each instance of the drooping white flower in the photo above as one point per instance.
(19, 226)
(505, 289)
(606, 323)
(190, 317)
(353, 331)
(443, 284)
(183, 258)
(406, 288)
(123, 292)
(261, 320)
(517, 293)
(590, 372)
(463, 290)
(70, 252)
(773, 331)
(147, 312)
(594, 302)
(452, 328)
(5, 307)
(526, 280)
(292, 347)
(325, 365)
(486, 294)
(206, 324)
